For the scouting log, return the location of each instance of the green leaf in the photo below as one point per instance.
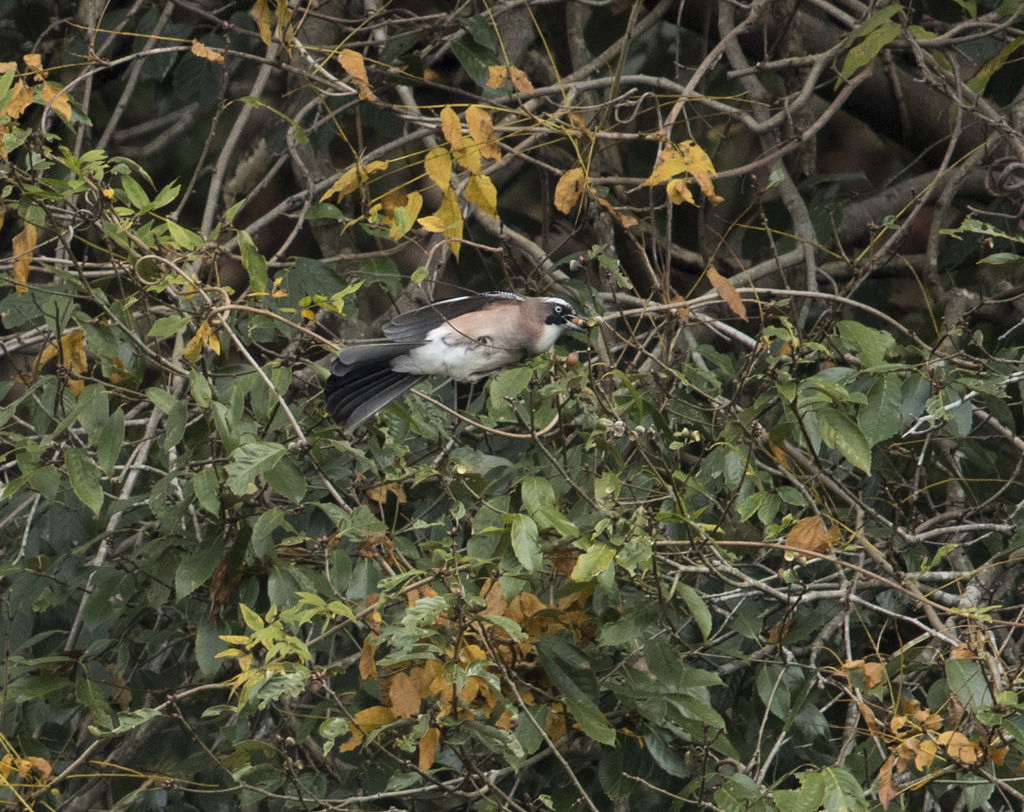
(85, 479)
(253, 262)
(537, 494)
(194, 570)
(880, 418)
(593, 562)
(168, 326)
(109, 442)
(699, 610)
(843, 792)
(287, 480)
(249, 461)
(806, 799)
(838, 431)
(524, 542)
(207, 490)
(862, 53)
(136, 195)
(201, 392)
(125, 722)
(870, 346)
(569, 670)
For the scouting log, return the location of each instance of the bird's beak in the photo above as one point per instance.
(577, 324)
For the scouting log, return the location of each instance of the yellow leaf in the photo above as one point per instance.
(926, 753)
(728, 294)
(451, 216)
(204, 337)
(35, 64)
(261, 14)
(451, 128)
(497, 75)
(438, 166)
(57, 98)
(432, 223)
(200, 50)
(569, 188)
(428, 748)
(480, 190)
(369, 719)
(21, 98)
(24, 246)
(469, 156)
(666, 169)
(348, 182)
(354, 66)
(405, 216)
(405, 696)
(70, 353)
(519, 80)
(480, 126)
(679, 193)
(699, 165)
(350, 179)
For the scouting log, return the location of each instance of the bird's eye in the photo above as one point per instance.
(558, 308)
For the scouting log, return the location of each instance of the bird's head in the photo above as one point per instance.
(561, 314)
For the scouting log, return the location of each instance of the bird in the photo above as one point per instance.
(465, 339)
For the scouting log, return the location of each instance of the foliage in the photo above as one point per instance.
(756, 547)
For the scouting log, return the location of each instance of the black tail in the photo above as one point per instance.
(356, 392)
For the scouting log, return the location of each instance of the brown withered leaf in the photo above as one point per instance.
(70, 352)
(24, 246)
(727, 292)
(569, 188)
(428, 748)
(367, 666)
(520, 81)
(480, 126)
(200, 50)
(778, 631)
(886, 791)
(870, 719)
(405, 695)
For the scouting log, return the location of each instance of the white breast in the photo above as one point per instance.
(455, 355)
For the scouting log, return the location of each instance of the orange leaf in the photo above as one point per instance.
(405, 695)
(926, 753)
(480, 190)
(438, 166)
(24, 246)
(958, 746)
(428, 748)
(35, 64)
(200, 50)
(728, 293)
(520, 81)
(570, 187)
(451, 128)
(497, 75)
(873, 673)
(393, 199)
(57, 98)
(367, 667)
(480, 126)
(21, 98)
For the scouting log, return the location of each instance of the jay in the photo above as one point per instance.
(464, 339)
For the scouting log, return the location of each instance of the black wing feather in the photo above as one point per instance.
(416, 324)
(355, 393)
